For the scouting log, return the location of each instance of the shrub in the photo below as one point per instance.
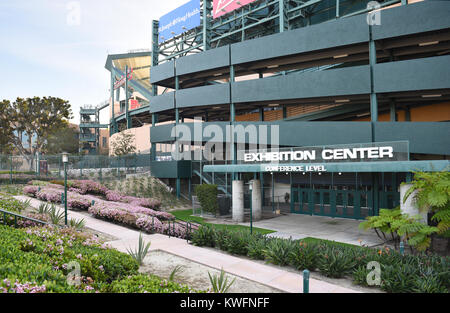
(204, 236)
(30, 190)
(147, 284)
(429, 282)
(150, 224)
(237, 242)
(336, 262)
(398, 279)
(400, 225)
(278, 251)
(256, 246)
(221, 238)
(304, 256)
(359, 275)
(207, 196)
(38, 258)
(433, 195)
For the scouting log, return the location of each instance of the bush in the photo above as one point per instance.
(278, 251)
(204, 236)
(207, 196)
(147, 284)
(256, 245)
(304, 256)
(39, 257)
(336, 262)
(237, 242)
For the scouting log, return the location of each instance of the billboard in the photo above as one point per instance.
(179, 20)
(221, 7)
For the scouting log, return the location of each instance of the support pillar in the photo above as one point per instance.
(256, 200)
(238, 201)
(178, 188)
(409, 206)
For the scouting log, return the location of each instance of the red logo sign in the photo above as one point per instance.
(221, 7)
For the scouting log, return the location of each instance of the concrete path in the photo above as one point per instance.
(299, 226)
(261, 273)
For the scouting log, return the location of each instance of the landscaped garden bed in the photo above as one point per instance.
(399, 273)
(140, 213)
(38, 258)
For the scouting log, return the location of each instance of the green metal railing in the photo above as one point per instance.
(18, 216)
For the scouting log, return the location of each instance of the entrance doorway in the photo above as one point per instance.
(347, 195)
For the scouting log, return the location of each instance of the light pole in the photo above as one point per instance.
(65, 160)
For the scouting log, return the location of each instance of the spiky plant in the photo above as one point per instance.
(220, 283)
(55, 215)
(77, 224)
(44, 208)
(141, 251)
(176, 270)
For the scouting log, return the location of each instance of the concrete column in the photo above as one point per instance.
(238, 201)
(256, 200)
(409, 207)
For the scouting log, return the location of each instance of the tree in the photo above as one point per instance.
(6, 129)
(38, 118)
(123, 144)
(433, 196)
(63, 140)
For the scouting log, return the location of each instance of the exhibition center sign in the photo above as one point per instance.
(179, 20)
(297, 159)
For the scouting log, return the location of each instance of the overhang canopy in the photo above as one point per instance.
(388, 166)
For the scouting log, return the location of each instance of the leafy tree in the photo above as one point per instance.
(37, 117)
(123, 144)
(63, 140)
(433, 196)
(6, 129)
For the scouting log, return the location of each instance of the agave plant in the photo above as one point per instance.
(220, 283)
(77, 224)
(141, 251)
(176, 270)
(44, 208)
(55, 215)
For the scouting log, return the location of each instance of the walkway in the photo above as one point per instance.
(261, 273)
(299, 226)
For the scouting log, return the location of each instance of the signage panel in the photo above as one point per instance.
(179, 20)
(221, 7)
(368, 152)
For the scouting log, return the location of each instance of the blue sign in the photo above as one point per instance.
(179, 20)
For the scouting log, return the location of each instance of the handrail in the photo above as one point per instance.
(23, 217)
(188, 225)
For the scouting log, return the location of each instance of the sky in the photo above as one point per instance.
(59, 48)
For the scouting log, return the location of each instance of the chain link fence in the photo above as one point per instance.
(16, 169)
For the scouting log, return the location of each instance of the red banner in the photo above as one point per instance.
(134, 104)
(221, 7)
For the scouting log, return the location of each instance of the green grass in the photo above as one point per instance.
(185, 215)
(330, 242)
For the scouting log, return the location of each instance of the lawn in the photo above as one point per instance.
(186, 215)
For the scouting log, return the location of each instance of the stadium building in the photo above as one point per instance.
(319, 107)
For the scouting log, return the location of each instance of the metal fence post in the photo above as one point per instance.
(402, 248)
(305, 281)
